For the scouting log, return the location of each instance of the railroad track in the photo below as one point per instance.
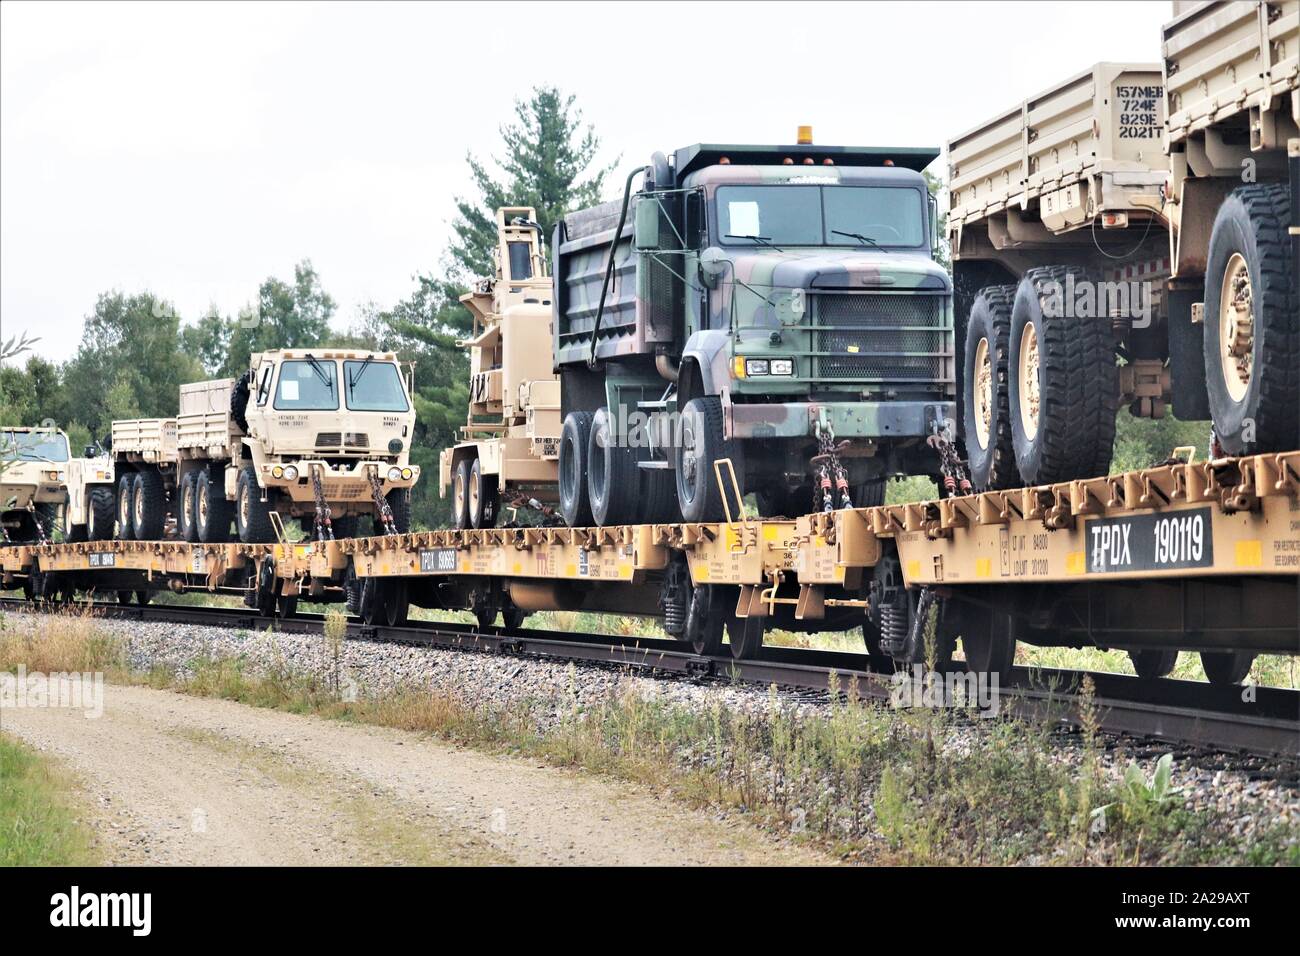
(1265, 721)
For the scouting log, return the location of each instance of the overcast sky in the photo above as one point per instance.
(193, 150)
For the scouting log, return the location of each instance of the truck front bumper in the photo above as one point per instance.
(340, 483)
(880, 420)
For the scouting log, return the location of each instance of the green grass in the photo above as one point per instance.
(39, 814)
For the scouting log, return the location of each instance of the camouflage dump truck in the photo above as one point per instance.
(322, 435)
(1098, 262)
(89, 513)
(512, 434)
(33, 472)
(762, 304)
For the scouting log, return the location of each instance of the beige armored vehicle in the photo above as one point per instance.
(33, 470)
(322, 435)
(88, 514)
(511, 441)
(1099, 262)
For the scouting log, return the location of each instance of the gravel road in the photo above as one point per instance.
(183, 780)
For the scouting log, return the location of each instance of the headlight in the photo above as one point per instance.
(755, 366)
(406, 474)
(277, 472)
(782, 366)
(291, 473)
(394, 474)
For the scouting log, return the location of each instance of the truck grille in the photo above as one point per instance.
(327, 441)
(864, 335)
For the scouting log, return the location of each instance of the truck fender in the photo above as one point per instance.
(706, 352)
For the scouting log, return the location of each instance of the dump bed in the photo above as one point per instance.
(204, 428)
(1090, 144)
(151, 440)
(1221, 59)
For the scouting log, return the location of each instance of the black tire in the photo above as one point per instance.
(345, 527)
(660, 495)
(72, 533)
(574, 437)
(99, 516)
(1226, 667)
(1261, 414)
(399, 503)
(252, 514)
(125, 493)
(1078, 386)
(482, 496)
(782, 502)
(148, 506)
(1153, 663)
(992, 459)
(187, 507)
(239, 401)
(212, 515)
(870, 494)
(48, 515)
(460, 494)
(701, 444)
(613, 479)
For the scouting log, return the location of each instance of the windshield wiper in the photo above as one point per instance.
(356, 376)
(860, 237)
(320, 371)
(765, 240)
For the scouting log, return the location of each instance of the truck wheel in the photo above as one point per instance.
(986, 418)
(211, 510)
(239, 401)
(869, 494)
(1153, 663)
(482, 497)
(460, 494)
(125, 492)
(1064, 388)
(399, 503)
(700, 444)
(72, 532)
(99, 516)
(252, 515)
(613, 479)
(1252, 323)
(660, 496)
(1226, 667)
(784, 503)
(148, 506)
(345, 527)
(574, 436)
(189, 526)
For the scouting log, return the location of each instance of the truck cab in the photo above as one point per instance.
(33, 476)
(761, 304)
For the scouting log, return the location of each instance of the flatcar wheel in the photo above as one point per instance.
(124, 597)
(1153, 663)
(513, 618)
(746, 636)
(286, 605)
(1226, 667)
(396, 602)
(142, 598)
(988, 638)
(705, 619)
(267, 592)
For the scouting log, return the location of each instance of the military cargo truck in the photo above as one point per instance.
(512, 433)
(762, 304)
(322, 435)
(1099, 262)
(89, 512)
(33, 470)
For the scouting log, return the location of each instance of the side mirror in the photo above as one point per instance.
(645, 234)
(934, 224)
(713, 263)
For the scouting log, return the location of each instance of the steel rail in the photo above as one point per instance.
(1257, 720)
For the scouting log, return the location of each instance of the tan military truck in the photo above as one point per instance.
(511, 439)
(33, 470)
(322, 435)
(88, 514)
(1099, 261)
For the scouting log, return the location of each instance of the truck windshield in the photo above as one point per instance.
(307, 385)
(820, 215)
(373, 387)
(33, 446)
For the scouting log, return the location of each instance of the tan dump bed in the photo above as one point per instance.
(1223, 58)
(204, 427)
(146, 439)
(1090, 144)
